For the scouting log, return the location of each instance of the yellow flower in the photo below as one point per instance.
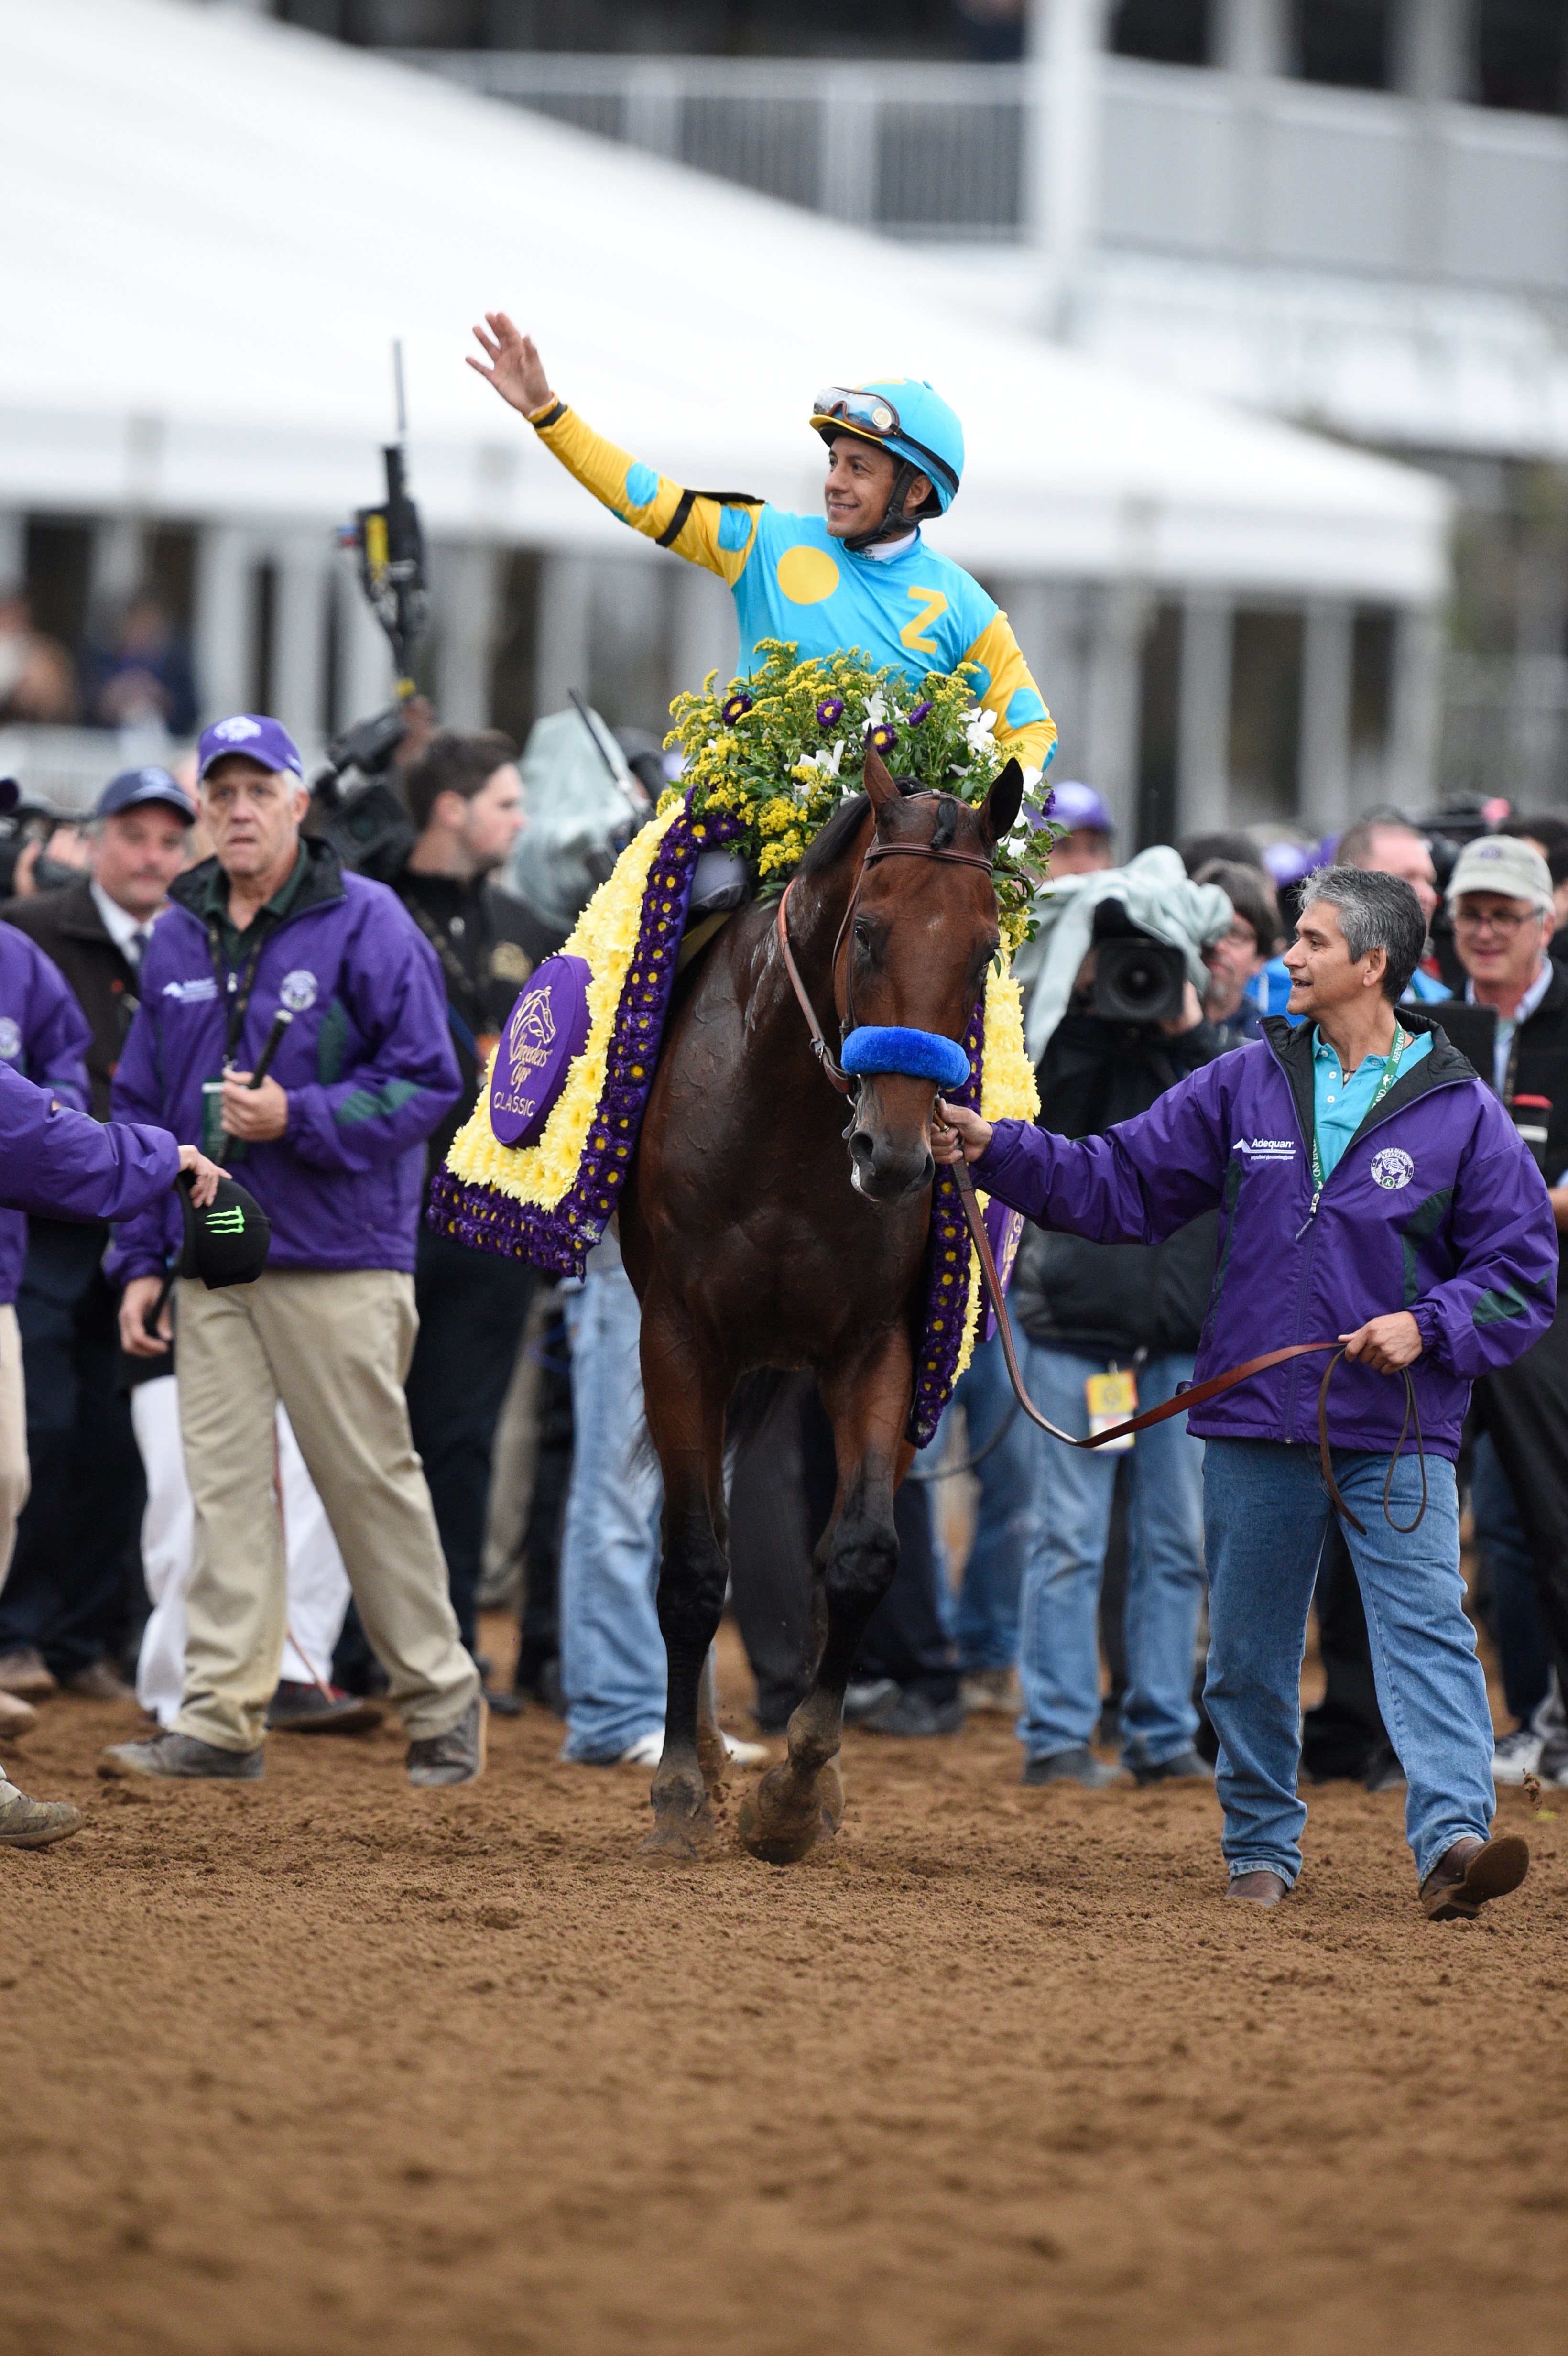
(1007, 1092)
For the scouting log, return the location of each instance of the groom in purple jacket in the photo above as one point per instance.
(1369, 1188)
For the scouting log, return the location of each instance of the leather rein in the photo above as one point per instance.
(1199, 1394)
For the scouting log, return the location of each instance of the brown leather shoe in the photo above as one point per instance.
(1259, 1888)
(15, 1716)
(1472, 1872)
(24, 1674)
(100, 1682)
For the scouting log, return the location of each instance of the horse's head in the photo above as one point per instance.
(922, 932)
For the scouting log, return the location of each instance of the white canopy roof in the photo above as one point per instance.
(217, 225)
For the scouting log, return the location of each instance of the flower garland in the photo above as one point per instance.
(781, 750)
(551, 1202)
(1001, 1086)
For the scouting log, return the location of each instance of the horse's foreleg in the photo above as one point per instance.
(686, 1417)
(802, 1802)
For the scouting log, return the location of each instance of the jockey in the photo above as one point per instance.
(862, 577)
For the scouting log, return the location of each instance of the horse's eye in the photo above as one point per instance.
(862, 933)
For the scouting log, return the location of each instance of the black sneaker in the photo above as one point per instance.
(305, 1709)
(1384, 1772)
(455, 1757)
(181, 1755)
(903, 1711)
(1077, 1766)
(1185, 1768)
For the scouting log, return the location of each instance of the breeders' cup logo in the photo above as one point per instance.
(235, 732)
(531, 1033)
(297, 990)
(1392, 1168)
(10, 1039)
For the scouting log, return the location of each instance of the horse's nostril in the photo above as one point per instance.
(861, 1149)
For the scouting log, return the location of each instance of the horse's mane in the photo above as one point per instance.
(827, 847)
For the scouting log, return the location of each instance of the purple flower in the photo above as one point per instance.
(918, 714)
(830, 711)
(736, 709)
(884, 738)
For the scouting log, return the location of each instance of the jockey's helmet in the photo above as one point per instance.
(909, 419)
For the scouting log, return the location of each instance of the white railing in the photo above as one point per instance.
(1205, 165)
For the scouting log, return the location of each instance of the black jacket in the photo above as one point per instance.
(488, 943)
(1538, 1066)
(1110, 1301)
(67, 926)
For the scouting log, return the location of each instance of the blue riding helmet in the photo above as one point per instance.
(906, 417)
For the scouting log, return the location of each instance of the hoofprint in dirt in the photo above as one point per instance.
(327, 2064)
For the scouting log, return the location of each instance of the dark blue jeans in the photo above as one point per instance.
(472, 1310)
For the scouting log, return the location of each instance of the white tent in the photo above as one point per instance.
(217, 224)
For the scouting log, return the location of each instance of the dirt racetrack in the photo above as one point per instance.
(324, 2065)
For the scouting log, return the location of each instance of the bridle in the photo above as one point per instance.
(833, 1072)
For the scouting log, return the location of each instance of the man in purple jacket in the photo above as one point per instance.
(1369, 1188)
(331, 1146)
(58, 1163)
(44, 1036)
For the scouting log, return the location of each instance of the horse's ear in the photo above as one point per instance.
(1004, 802)
(879, 785)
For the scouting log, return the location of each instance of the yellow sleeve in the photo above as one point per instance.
(713, 528)
(1023, 723)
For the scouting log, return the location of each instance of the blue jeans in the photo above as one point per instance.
(1522, 1654)
(985, 1624)
(1266, 1516)
(611, 1654)
(1059, 1649)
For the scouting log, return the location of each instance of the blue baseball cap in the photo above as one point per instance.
(134, 786)
(260, 739)
(1073, 805)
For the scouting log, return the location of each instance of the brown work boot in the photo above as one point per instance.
(1472, 1872)
(100, 1682)
(34, 1824)
(25, 1673)
(15, 1716)
(1258, 1887)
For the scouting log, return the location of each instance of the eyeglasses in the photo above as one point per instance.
(1503, 923)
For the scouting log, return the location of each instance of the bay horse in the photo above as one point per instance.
(750, 1245)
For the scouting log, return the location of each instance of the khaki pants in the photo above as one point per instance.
(334, 1347)
(14, 1477)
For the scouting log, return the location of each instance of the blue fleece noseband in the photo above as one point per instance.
(924, 1055)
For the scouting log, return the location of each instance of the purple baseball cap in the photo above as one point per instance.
(132, 788)
(1073, 805)
(1290, 862)
(250, 732)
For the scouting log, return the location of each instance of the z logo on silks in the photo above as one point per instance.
(1391, 1168)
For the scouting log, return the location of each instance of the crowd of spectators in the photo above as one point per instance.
(266, 1510)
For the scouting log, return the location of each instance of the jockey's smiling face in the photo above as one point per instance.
(860, 483)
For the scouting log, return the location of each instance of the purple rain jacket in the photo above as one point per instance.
(44, 1037)
(66, 1165)
(1437, 1207)
(367, 1063)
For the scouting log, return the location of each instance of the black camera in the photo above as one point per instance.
(1136, 979)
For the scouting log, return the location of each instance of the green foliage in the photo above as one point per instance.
(783, 749)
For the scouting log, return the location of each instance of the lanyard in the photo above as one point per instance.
(236, 988)
(1391, 1073)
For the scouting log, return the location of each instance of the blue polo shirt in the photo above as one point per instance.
(1339, 1106)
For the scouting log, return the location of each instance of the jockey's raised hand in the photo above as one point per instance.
(515, 367)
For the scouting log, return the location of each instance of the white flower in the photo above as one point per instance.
(826, 760)
(876, 708)
(977, 730)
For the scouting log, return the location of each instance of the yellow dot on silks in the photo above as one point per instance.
(807, 575)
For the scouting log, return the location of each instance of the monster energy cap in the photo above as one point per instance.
(227, 1242)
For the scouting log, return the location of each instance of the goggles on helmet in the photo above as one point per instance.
(874, 415)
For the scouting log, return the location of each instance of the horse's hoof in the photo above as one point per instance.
(780, 1822)
(680, 1835)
